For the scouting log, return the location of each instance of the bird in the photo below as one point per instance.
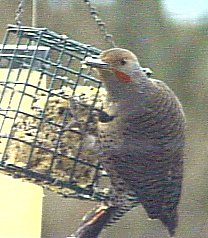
(142, 139)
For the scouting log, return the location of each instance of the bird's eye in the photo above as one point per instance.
(123, 62)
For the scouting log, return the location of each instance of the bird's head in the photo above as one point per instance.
(120, 72)
(121, 62)
(116, 61)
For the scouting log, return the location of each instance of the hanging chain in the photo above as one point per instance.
(101, 25)
(19, 12)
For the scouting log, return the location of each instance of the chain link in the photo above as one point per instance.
(92, 10)
(101, 25)
(19, 12)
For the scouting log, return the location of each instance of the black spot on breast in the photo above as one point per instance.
(104, 117)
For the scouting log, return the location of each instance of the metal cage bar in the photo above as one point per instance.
(48, 116)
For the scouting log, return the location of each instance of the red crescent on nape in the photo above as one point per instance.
(122, 76)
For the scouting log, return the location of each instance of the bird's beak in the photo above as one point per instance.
(95, 62)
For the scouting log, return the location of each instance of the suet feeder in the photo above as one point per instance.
(48, 112)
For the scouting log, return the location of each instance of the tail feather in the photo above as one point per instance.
(170, 220)
(167, 215)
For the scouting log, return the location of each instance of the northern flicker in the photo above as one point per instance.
(142, 140)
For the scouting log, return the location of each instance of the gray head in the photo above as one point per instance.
(120, 71)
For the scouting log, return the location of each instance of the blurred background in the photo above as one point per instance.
(170, 37)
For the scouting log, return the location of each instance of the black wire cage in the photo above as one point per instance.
(49, 108)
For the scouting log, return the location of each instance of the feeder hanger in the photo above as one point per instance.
(92, 10)
(19, 13)
(101, 24)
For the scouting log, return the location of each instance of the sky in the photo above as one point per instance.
(182, 10)
(186, 9)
